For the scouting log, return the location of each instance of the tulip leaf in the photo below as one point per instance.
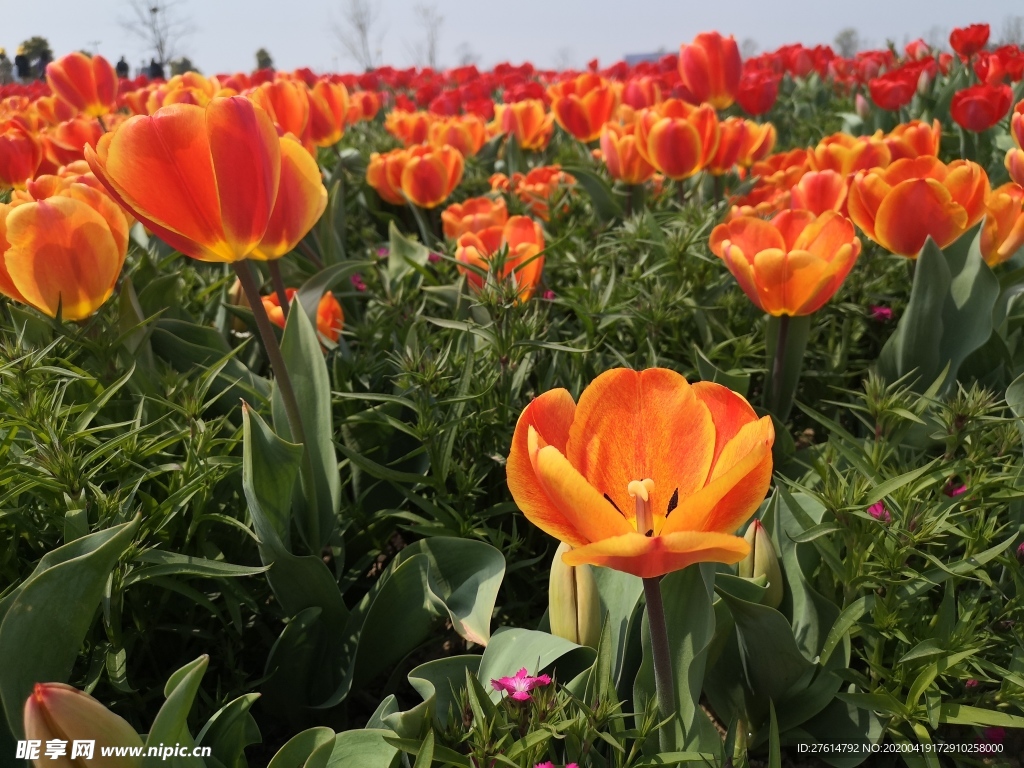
(738, 382)
(231, 729)
(172, 564)
(690, 618)
(438, 682)
(606, 204)
(405, 255)
(171, 723)
(44, 622)
(620, 594)
(843, 723)
(1015, 400)
(315, 509)
(365, 747)
(296, 751)
(328, 279)
(797, 331)
(511, 649)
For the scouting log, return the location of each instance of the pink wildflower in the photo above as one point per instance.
(357, 282)
(952, 489)
(1020, 553)
(383, 251)
(971, 684)
(994, 735)
(433, 258)
(549, 294)
(879, 512)
(519, 687)
(881, 314)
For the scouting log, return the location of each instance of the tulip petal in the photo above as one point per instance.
(652, 556)
(729, 412)
(915, 209)
(301, 200)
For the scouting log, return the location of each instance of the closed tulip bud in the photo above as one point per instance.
(862, 106)
(981, 106)
(409, 127)
(328, 110)
(55, 711)
(1017, 125)
(762, 561)
(384, 174)
(287, 103)
(574, 606)
(363, 105)
(527, 120)
(430, 174)
(710, 68)
(624, 162)
(584, 104)
(1002, 234)
(1015, 165)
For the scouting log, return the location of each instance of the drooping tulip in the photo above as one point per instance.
(899, 207)
(521, 238)
(62, 246)
(710, 68)
(58, 712)
(87, 83)
(429, 174)
(473, 215)
(646, 474)
(584, 104)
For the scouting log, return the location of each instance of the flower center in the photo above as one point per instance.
(641, 491)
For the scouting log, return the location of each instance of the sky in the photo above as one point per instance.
(547, 32)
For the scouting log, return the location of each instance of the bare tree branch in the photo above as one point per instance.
(158, 24)
(358, 32)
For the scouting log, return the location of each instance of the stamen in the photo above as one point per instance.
(672, 503)
(641, 491)
(612, 502)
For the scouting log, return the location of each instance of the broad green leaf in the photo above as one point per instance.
(404, 254)
(171, 723)
(161, 563)
(298, 748)
(738, 382)
(45, 621)
(311, 291)
(607, 204)
(365, 748)
(961, 714)
(231, 729)
(511, 649)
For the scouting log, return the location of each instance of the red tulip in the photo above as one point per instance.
(710, 69)
(981, 106)
(758, 91)
(967, 41)
(893, 90)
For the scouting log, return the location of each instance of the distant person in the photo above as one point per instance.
(6, 68)
(122, 68)
(156, 70)
(44, 59)
(22, 65)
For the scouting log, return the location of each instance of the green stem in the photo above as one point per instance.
(778, 361)
(627, 209)
(103, 125)
(275, 277)
(291, 405)
(663, 681)
(421, 224)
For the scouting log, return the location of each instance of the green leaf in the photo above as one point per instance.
(851, 615)
(44, 622)
(404, 255)
(366, 748)
(97, 405)
(961, 714)
(171, 723)
(315, 510)
(607, 205)
(425, 755)
(311, 291)
(296, 751)
(774, 745)
(1015, 399)
(231, 729)
(174, 564)
(511, 649)
(438, 682)
(738, 382)
(798, 330)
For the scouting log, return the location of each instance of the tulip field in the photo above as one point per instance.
(648, 415)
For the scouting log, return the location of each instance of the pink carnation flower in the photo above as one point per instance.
(881, 314)
(879, 512)
(519, 687)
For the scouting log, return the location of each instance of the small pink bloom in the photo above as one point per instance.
(881, 314)
(971, 684)
(519, 687)
(953, 489)
(879, 512)
(383, 251)
(549, 294)
(1020, 553)
(357, 282)
(994, 735)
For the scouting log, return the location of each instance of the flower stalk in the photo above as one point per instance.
(663, 679)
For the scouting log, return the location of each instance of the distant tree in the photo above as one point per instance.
(564, 58)
(359, 32)
(263, 59)
(466, 55)
(160, 25)
(181, 65)
(37, 48)
(847, 42)
(1012, 32)
(748, 47)
(424, 52)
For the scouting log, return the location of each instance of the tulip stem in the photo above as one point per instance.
(275, 277)
(103, 125)
(663, 681)
(778, 362)
(273, 349)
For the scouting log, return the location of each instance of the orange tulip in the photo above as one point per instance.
(189, 88)
(899, 207)
(384, 174)
(819, 191)
(410, 128)
(203, 179)
(1017, 124)
(62, 246)
(467, 133)
(732, 134)
(624, 162)
(585, 103)
(1002, 235)
(642, 91)
(430, 174)
(538, 188)
(88, 84)
(676, 138)
(914, 139)
(301, 200)
(1014, 165)
(65, 143)
(647, 474)
(330, 318)
(528, 121)
(328, 110)
(53, 110)
(847, 154)
(287, 103)
(473, 215)
(20, 155)
(363, 105)
(523, 262)
(790, 265)
(758, 142)
(782, 169)
(710, 68)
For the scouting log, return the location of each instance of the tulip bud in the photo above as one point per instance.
(574, 607)
(924, 82)
(762, 562)
(863, 106)
(59, 712)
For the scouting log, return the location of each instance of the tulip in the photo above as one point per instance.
(287, 103)
(55, 711)
(363, 105)
(756, 143)
(87, 83)
(893, 90)
(1014, 163)
(732, 136)
(762, 561)
(710, 68)
(584, 104)
(524, 260)
(574, 604)
(473, 215)
(328, 110)
(790, 265)
(410, 128)
(528, 121)
(847, 154)
(62, 246)
(53, 110)
(914, 139)
(1017, 125)
(538, 188)
(967, 41)
(203, 179)
(1002, 235)
(620, 154)
(758, 91)
(330, 318)
(384, 174)
(65, 143)
(899, 207)
(301, 200)
(981, 106)
(466, 133)
(819, 191)
(20, 155)
(677, 139)
(640, 92)
(647, 474)
(429, 174)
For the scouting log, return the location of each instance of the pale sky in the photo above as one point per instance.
(547, 32)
